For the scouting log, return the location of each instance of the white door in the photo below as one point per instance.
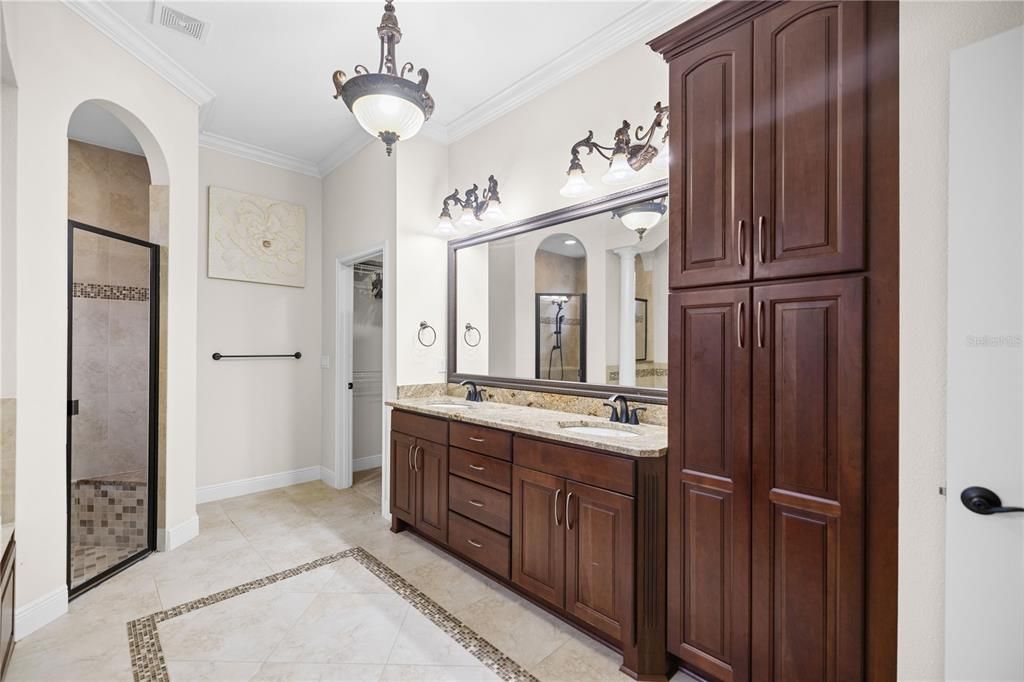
(985, 403)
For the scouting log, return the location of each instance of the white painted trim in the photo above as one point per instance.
(172, 538)
(111, 24)
(40, 612)
(256, 484)
(343, 462)
(646, 21)
(258, 154)
(327, 476)
(368, 462)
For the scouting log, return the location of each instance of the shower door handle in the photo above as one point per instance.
(72, 408)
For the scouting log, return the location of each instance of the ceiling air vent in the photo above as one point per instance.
(179, 21)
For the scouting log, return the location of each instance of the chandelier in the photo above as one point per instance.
(387, 104)
(625, 159)
(641, 216)
(476, 208)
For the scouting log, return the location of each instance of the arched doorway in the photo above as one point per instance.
(117, 221)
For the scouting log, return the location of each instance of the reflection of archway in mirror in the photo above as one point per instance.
(118, 221)
(560, 288)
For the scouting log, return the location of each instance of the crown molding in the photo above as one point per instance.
(258, 154)
(108, 22)
(649, 19)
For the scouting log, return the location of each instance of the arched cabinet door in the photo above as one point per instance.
(809, 139)
(710, 193)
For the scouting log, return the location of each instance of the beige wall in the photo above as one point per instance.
(47, 39)
(258, 417)
(929, 31)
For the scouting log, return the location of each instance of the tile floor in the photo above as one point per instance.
(249, 537)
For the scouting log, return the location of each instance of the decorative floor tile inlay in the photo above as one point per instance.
(147, 656)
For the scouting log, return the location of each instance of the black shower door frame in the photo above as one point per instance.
(154, 379)
(583, 333)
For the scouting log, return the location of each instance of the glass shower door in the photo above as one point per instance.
(112, 375)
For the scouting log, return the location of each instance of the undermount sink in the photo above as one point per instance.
(598, 430)
(448, 406)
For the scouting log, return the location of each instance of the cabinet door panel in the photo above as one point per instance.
(809, 104)
(431, 461)
(808, 488)
(710, 91)
(538, 535)
(709, 479)
(598, 558)
(403, 484)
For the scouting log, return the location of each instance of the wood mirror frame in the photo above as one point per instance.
(604, 204)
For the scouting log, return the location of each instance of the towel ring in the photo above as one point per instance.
(419, 335)
(465, 335)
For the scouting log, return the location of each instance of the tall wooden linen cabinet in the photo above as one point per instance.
(783, 377)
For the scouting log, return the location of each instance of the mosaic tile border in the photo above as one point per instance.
(109, 292)
(149, 665)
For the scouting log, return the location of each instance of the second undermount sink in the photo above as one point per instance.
(604, 431)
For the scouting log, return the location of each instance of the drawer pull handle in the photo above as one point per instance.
(558, 491)
(568, 500)
(475, 467)
(476, 503)
(475, 544)
(476, 440)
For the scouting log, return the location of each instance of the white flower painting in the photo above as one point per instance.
(255, 239)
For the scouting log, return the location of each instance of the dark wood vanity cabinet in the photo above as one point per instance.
(419, 473)
(783, 243)
(578, 531)
(7, 608)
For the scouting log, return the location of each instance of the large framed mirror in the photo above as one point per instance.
(573, 301)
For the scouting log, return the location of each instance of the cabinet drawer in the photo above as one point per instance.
(481, 468)
(480, 544)
(482, 439)
(418, 426)
(602, 471)
(480, 503)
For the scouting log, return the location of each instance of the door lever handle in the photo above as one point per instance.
(983, 501)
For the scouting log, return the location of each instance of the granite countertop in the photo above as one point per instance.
(648, 441)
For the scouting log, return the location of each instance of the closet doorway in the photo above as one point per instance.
(113, 365)
(362, 328)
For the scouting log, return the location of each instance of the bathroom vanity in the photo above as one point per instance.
(566, 510)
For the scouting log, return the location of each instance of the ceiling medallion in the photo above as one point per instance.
(476, 208)
(625, 160)
(387, 104)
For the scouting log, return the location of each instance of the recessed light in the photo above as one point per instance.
(570, 242)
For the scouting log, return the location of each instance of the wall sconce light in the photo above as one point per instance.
(476, 208)
(642, 216)
(625, 160)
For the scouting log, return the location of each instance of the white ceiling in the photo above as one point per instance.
(263, 71)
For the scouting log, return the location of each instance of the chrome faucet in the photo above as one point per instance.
(473, 394)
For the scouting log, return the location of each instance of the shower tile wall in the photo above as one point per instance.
(555, 273)
(110, 357)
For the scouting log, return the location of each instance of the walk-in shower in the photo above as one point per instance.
(113, 332)
(560, 337)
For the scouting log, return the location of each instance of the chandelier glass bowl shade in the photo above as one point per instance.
(387, 104)
(642, 216)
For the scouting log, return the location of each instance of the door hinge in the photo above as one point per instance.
(72, 408)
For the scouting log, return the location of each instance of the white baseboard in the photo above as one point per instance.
(171, 538)
(327, 476)
(256, 484)
(40, 612)
(364, 463)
